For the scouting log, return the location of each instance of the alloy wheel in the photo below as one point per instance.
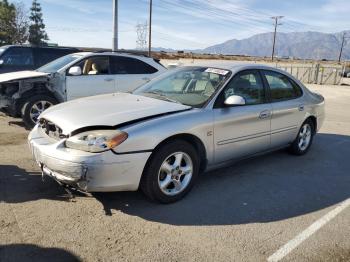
(304, 137)
(37, 109)
(175, 173)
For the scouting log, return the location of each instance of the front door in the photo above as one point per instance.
(94, 80)
(242, 130)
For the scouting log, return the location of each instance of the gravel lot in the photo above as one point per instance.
(245, 212)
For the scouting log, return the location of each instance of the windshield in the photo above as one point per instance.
(57, 64)
(191, 86)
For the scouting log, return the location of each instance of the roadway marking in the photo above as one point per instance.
(295, 242)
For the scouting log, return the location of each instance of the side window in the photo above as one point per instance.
(121, 65)
(46, 55)
(18, 57)
(97, 65)
(247, 85)
(281, 87)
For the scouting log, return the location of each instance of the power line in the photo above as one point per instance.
(276, 18)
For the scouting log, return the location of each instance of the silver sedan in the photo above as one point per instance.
(164, 134)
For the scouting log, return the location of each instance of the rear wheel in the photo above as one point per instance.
(34, 107)
(171, 172)
(303, 141)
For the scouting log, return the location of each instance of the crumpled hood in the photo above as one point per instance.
(20, 75)
(106, 110)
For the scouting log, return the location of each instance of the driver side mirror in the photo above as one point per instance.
(1, 62)
(75, 71)
(234, 101)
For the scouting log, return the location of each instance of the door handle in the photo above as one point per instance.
(301, 107)
(146, 79)
(109, 79)
(264, 114)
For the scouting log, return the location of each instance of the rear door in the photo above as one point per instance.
(242, 130)
(130, 73)
(96, 78)
(17, 59)
(287, 107)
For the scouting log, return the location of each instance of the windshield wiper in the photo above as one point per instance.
(162, 96)
(155, 92)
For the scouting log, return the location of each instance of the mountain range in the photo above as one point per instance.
(303, 45)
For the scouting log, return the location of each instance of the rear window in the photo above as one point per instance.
(121, 65)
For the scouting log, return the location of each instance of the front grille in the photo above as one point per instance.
(51, 129)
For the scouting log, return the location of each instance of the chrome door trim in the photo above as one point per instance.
(242, 138)
(284, 129)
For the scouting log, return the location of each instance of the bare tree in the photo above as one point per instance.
(14, 23)
(21, 24)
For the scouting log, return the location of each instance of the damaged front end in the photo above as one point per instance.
(7, 93)
(15, 92)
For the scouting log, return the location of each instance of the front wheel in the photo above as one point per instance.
(171, 172)
(303, 141)
(34, 107)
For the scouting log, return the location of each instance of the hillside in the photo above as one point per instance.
(304, 45)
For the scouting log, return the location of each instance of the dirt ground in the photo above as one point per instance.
(245, 212)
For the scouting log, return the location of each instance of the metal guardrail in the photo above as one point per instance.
(316, 74)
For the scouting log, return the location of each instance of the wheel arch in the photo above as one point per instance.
(189, 138)
(313, 119)
(39, 88)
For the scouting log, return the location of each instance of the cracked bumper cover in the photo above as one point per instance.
(90, 172)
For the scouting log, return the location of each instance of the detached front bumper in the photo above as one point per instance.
(90, 172)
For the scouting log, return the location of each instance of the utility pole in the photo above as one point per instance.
(342, 46)
(150, 29)
(276, 18)
(115, 26)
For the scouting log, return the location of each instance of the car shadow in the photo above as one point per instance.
(268, 188)
(18, 186)
(28, 252)
(18, 123)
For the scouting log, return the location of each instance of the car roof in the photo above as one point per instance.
(41, 47)
(236, 66)
(232, 66)
(82, 53)
(106, 53)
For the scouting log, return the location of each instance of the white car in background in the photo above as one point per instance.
(29, 93)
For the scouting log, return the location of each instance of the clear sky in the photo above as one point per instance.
(185, 24)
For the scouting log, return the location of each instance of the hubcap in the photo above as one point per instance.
(175, 173)
(304, 137)
(37, 109)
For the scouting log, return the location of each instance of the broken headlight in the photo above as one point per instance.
(97, 140)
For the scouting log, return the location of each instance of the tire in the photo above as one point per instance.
(303, 141)
(162, 169)
(33, 108)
